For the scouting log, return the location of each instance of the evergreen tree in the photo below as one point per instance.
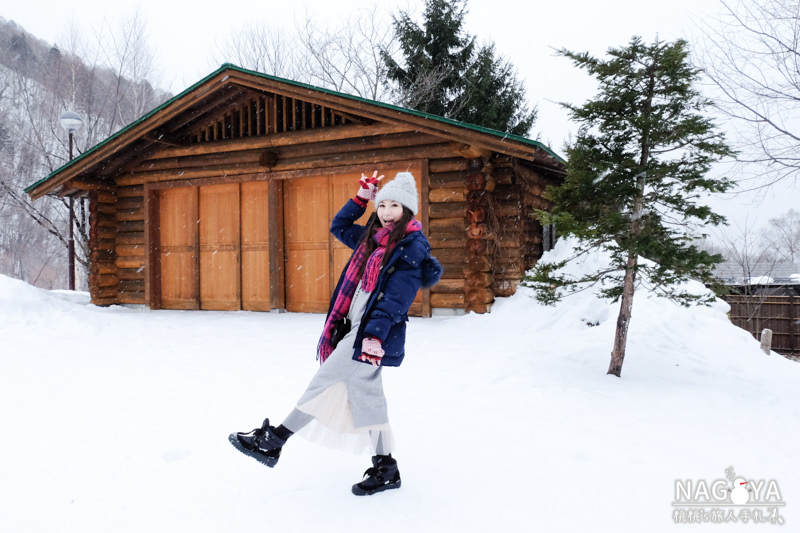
(636, 174)
(445, 73)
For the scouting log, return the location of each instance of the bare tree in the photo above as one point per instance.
(783, 236)
(344, 58)
(751, 54)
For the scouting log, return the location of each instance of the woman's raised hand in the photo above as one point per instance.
(369, 186)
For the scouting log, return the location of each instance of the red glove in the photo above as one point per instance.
(369, 186)
(371, 351)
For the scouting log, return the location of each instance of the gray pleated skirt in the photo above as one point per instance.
(345, 397)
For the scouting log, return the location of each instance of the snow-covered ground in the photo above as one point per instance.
(117, 419)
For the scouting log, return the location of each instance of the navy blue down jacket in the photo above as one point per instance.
(410, 266)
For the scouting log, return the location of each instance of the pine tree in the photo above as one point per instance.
(637, 172)
(445, 73)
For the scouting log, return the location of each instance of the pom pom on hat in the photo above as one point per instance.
(402, 189)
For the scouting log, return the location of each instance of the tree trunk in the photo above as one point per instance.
(624, 318)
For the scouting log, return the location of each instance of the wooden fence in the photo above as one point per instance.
(781, 314)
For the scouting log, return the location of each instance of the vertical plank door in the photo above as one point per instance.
(220, 272)
(255, 246)
(178, 248)
(306, 224)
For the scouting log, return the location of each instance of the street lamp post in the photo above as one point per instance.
(71, 121)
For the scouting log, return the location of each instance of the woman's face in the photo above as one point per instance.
(389, 212)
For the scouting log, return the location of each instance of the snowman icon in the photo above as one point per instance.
(740, 494)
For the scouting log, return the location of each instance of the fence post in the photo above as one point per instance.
(766, 340)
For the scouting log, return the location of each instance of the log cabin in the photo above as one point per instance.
(221, 197)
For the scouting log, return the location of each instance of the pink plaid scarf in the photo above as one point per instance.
(348, 288)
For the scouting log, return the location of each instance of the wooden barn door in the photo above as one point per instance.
(314, 257)
(179, 248)
(306, 222)
(219, 225)
(255, 246)
(214, 247)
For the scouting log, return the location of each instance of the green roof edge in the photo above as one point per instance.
(231, 66)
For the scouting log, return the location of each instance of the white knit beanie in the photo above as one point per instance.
(402, 189)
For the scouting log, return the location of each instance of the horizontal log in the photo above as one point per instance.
(501, 160)
(472, 307)
(447, 301)
(125, 226)
(481, 295)
(130, 190)
(448, 286)
(507, 209)
(106, 280)
(478, 280)
(446, 195)
(100, 268)
(130, 273)
(100, 256)
(449, 255)
(104, 244)
(102, 232)
(448, 241)
(130, 215)
(451, 164)
(104, 301)
(106, 209)
(447, 210)
(453, 180)
(503, 175)
(507, 193)
(106, 197)
(103, 220)
(130, 203)
(129, 262)
(130, 237)
(454, 225)
(452, 270)
(105, 292)
(131, 285)
(130, 250)
(132, 298)
(507, 254)
(469, 151)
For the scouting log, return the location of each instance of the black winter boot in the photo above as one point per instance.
(261, 444)
(382, 476)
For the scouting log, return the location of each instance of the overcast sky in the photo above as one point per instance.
(184, 34)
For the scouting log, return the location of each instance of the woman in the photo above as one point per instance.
(344, 403)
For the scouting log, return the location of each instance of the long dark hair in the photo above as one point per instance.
(397, 234)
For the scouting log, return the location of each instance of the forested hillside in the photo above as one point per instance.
(107, 85)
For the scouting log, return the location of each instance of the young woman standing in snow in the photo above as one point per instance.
(345, 403)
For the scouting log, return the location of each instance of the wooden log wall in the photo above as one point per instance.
(518, 195)
(446, 232)
(481, 233)
(103, 275)
(130, 243)
(292, 155)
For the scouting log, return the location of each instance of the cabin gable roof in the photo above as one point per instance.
(202, 114)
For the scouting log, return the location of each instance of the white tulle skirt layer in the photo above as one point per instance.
(346, 399)
(333, 424)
